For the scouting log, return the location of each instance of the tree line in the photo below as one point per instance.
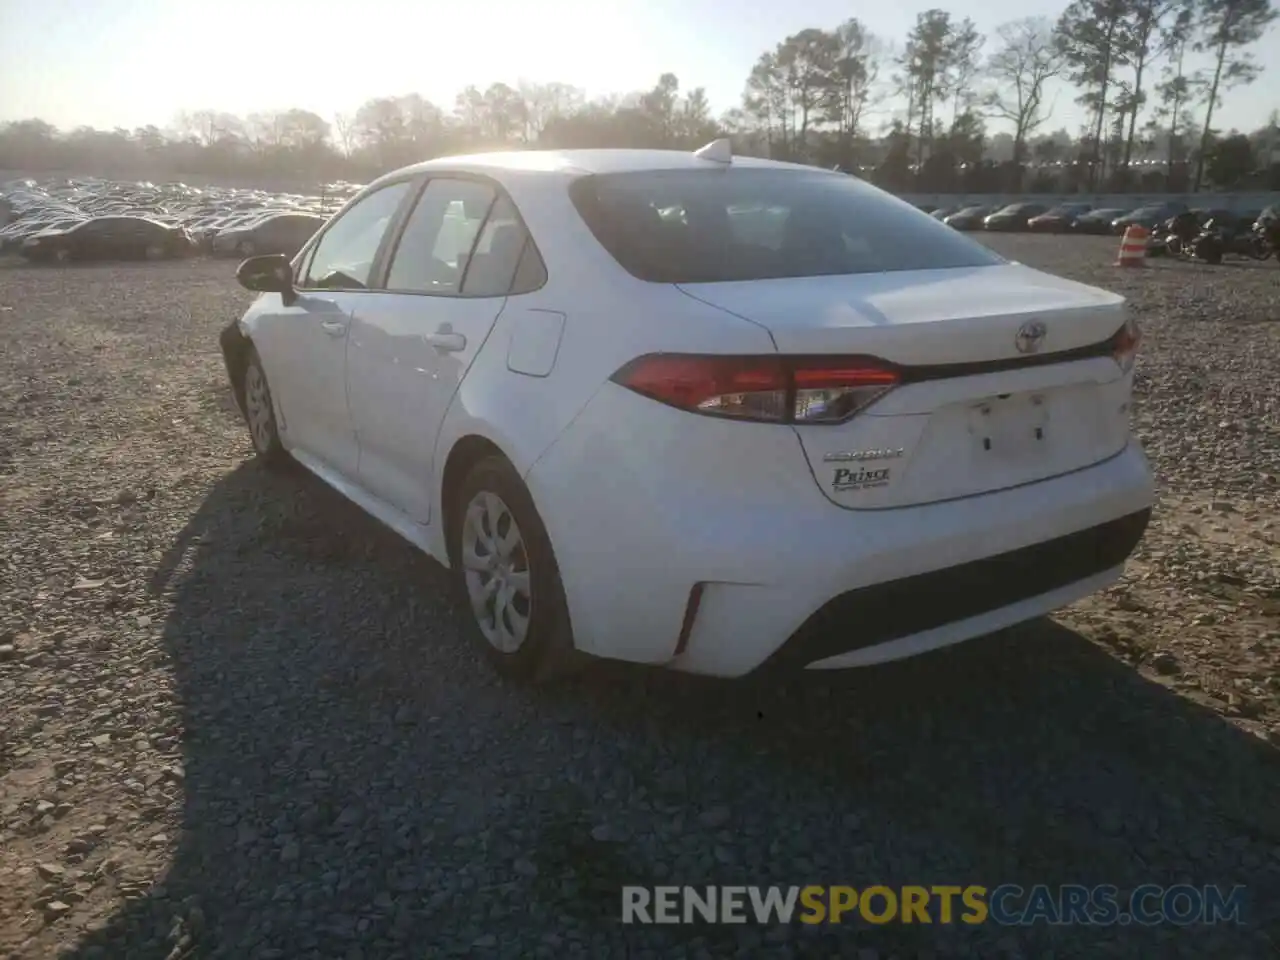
(911, 115)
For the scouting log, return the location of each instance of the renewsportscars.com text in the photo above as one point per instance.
(1007, 905)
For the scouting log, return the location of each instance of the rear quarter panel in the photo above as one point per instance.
(609, 318)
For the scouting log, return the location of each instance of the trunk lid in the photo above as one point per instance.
(981, 408)
(963, 315)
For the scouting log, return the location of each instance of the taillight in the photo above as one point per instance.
(773, 389)
(1124, 345)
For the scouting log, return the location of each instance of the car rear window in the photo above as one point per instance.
(707, 226)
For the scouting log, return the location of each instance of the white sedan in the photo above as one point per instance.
(698, 411)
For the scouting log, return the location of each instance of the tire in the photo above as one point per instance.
(260, 414)
(493, 506)
(1174, 246)
(245, 248)
(62, 255)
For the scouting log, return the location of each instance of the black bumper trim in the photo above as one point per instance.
(900, 608)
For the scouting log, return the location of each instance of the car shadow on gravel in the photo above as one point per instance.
(357, 783)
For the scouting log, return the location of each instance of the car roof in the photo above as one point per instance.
(575, 163)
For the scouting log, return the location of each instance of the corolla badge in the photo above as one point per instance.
(856, 456)
(1030, 336)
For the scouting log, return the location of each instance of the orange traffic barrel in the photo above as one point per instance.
(1133, 247)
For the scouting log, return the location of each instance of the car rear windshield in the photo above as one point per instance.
(707, 226)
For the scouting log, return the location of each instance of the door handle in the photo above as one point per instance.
(446, 342)
(334, 328)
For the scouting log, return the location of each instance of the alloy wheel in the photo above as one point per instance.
(257, 403)
(496, 568)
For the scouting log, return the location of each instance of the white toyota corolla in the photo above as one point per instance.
(706, 412)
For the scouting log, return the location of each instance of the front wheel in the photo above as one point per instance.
(260, 414)
(506, 572)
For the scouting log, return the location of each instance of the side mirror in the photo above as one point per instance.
(270, 273)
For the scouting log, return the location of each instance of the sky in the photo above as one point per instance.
(128, 63)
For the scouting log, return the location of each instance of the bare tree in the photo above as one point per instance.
(343, 133)
(543, 102)
(1027, 58)
(964, 63)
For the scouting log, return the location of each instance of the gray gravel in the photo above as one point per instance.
(237, 718)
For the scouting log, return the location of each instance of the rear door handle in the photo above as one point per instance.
(446, 342)
(334, 328)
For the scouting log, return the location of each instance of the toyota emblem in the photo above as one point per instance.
(1030, 336)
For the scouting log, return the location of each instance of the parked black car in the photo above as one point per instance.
(110, 238)
(14, 235)
(1013, 217)
(1058, 219)
(1097, 221)
(967, 218)
(1150, 216)
(943, 212)
(284, 233)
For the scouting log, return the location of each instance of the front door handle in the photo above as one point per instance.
(446, 342)
(334, 328)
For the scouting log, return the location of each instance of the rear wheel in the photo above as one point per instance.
(505, 571)
(260, 414)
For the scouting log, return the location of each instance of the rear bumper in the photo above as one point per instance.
(949, 605)
(881, 585)
(684, 502)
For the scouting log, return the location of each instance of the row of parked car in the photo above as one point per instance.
(85, 219)
(1083, 217)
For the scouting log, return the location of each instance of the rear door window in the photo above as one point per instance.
(496, 254)
(431, 254)
(531, 271)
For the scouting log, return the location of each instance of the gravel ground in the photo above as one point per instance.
(237, 719)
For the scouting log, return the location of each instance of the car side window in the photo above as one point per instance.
(531, 272)
(497, 253)
(343, 259)
(431, 256)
